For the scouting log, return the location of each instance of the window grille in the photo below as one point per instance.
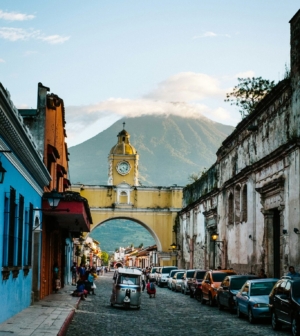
(30, 223)
(5, 232)
(12, 227)
(20, 230)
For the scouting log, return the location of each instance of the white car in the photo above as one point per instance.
(170, 277)
(153, 272)
(163, 273)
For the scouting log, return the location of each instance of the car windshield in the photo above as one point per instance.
(237, 284)
(200, 275)
(261, 288)
(128, 279)
(219, 277)
(153, 270)
(190, 274)
(180, 275)
(167, 270)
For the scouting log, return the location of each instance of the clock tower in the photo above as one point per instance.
(123, 161)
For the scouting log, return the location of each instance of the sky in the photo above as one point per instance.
(110, 59)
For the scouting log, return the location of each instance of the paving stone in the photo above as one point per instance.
(169, 314)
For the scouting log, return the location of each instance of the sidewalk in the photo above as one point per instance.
(48, 317)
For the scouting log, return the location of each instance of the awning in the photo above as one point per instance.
(72, 213)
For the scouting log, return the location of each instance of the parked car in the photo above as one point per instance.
(153, 272)
(284, 304)
(196, 284)
(176, 281)
(162, 275)
(186, 281)
(253, 299)
(210, 284)
(226, 294)
(170, 277)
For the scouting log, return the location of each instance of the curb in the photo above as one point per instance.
(68, 320)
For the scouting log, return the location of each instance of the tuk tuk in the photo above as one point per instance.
(127, 288)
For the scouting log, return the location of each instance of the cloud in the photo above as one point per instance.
(187, 86)
(210, 34)
(2, 60)
(245, 74)
(182, 95)
(55, 39)
(13, 16)
(16, 34)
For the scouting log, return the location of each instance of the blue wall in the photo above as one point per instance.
(15, 294)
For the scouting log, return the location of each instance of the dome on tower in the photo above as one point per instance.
(123, 146)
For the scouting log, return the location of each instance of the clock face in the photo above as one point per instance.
(123, 167)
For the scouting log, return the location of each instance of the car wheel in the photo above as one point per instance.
(276, 325)
(221, 307)
(211, 301)
(295, 327)
(251, 318)
(203, 301)
(238, 312)
(197, 295)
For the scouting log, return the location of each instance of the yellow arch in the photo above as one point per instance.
(155, 208)
(149, 229)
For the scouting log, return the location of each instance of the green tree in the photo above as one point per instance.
(104, 257)
(141, 245)
(248, 93)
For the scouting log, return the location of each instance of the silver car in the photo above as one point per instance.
(176, 281)
(186, 280)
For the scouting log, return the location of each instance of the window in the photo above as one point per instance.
(244, 204)
(237, 200)
(5, 232)
(20, 231)
(29, 236)
(230, 209)
(11, 227)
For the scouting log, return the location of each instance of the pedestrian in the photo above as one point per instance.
(98, 270)
(81, 271)
(151, 290)
(74, 273)
(292, 273)
(80, 290)
(262, 274)
(143, 281)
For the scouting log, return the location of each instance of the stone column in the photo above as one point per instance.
(267, 257)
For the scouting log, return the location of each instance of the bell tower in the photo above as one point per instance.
(123, 161)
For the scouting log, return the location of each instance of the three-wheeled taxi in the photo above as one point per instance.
(127, 288)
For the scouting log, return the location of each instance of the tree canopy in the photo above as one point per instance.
(248, 93)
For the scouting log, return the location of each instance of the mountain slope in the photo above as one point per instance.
(170, 148)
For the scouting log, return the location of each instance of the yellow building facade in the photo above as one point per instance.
(155, 208)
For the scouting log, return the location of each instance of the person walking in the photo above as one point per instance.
(143, 281)
(74, 273)
(262, 274)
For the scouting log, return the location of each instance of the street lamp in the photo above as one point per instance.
(214, 238)
(53, 198)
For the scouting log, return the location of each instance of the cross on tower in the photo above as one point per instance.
(124, 125)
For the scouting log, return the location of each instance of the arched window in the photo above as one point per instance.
(244, 204)
(230, 209)
(237, 201)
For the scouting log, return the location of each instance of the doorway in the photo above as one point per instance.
(276, 243)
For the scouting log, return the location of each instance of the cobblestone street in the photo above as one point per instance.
(168, 314)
